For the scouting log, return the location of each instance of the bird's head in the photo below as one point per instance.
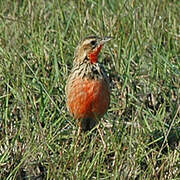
(90, 48)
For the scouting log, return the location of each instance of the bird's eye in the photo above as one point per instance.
(93, 42)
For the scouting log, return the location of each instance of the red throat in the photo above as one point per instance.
(94, 55)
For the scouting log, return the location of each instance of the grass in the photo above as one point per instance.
(142, 126)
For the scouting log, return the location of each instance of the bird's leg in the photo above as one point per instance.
(101, 135)
(79, 129)
(78, 137)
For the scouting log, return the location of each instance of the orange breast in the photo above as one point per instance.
(87, 98)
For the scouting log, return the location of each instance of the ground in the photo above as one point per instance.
(141, 130)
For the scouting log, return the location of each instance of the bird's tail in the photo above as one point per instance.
(88, 124)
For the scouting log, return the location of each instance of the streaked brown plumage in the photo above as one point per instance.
(87, 88)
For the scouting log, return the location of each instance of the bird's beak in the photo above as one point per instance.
(105, 39)
(93, 56)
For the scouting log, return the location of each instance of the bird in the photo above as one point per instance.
(87, 88)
